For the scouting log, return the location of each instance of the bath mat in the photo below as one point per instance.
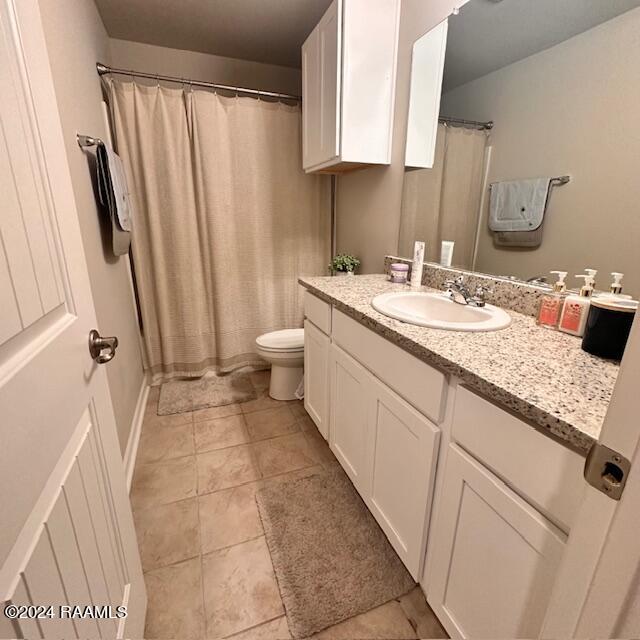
(179, 396)
(331, 559)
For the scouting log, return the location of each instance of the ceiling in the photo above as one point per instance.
(270, 31)
(491, 34)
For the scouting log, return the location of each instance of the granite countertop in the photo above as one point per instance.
(541, 374)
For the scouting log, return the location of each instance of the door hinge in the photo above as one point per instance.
(606, 470)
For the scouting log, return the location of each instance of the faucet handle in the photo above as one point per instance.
(479, 295)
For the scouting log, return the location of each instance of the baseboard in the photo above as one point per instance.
(134, 433)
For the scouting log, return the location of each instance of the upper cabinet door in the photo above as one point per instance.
(348, 87)
(427, 67)
(311, 103)
(330, 36)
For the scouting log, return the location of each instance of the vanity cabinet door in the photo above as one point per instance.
(403, 447)
(316, 376)
(350, 402)
(493, 557)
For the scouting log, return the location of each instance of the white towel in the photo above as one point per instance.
(518, 205)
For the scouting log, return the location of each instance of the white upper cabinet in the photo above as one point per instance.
(427, 68)
(348, 86)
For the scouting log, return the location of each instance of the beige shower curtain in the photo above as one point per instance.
(443, 203)
(225, 222)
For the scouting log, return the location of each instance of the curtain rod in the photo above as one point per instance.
(472, 123)
(103, 69)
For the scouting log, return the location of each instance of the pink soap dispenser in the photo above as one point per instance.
(551, 303)
(576, 307)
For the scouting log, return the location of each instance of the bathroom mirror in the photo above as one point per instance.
(532, 90)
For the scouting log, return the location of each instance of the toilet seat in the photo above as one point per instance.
(286, 340)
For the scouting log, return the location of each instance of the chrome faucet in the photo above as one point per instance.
(458, 291)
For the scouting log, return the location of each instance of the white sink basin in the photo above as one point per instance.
(436, 311)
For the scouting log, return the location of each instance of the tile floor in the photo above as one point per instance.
(207, 566)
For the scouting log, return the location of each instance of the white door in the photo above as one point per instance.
(66, 534)
(316, 376)
(403, 448)
(494, 557)
(350, 402)
(597, 590)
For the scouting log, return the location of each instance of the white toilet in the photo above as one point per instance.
(285, 351)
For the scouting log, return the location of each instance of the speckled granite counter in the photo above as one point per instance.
(540, 374)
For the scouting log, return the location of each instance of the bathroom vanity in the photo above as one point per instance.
(467, 448)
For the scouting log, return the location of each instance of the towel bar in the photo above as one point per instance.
(560, 180)
(87, 141)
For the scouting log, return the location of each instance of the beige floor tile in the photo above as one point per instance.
(263, 401)
(175, 608)
(298, 409)
(229, 517)
(386, 622)
(240, 589)
(164, 442)
(163, 482)
(307, 424)
(320, 448)
(285, 453)
(211, 413)
(152, 419)
(291, 475)
(273, 630)
(421, 616)
(269, 423)
(168, 533)
(220, 433)
(225, 468)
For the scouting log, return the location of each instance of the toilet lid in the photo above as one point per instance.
(285, 340)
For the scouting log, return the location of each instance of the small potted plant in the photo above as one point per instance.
(344, 264)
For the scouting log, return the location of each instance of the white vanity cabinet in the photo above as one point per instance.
(317, 326)
(403, 453)
(389, 451)
(494, 556)
(450, 476)
(349, 432)
(506, 503)
(348, 86)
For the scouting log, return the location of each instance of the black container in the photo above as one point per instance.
(608, 326)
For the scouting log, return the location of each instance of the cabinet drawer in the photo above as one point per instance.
(537, 467)
(421, 385)
(318, 311)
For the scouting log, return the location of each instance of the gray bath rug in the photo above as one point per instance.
(179, 396)
(331, 559)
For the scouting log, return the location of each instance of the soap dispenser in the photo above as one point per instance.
(576, 307)
(551, 303)
(616, 285)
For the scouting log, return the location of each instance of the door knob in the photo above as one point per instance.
(102, 349)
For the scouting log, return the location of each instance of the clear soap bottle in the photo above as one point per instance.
(551, 303)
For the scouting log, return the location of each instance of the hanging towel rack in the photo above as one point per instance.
(87, 141)
(559, 181)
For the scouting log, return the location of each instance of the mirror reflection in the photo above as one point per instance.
(537, 150)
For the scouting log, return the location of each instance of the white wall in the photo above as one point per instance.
(204, 66)
(369, 201)
(571, 109)
(75, 40)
